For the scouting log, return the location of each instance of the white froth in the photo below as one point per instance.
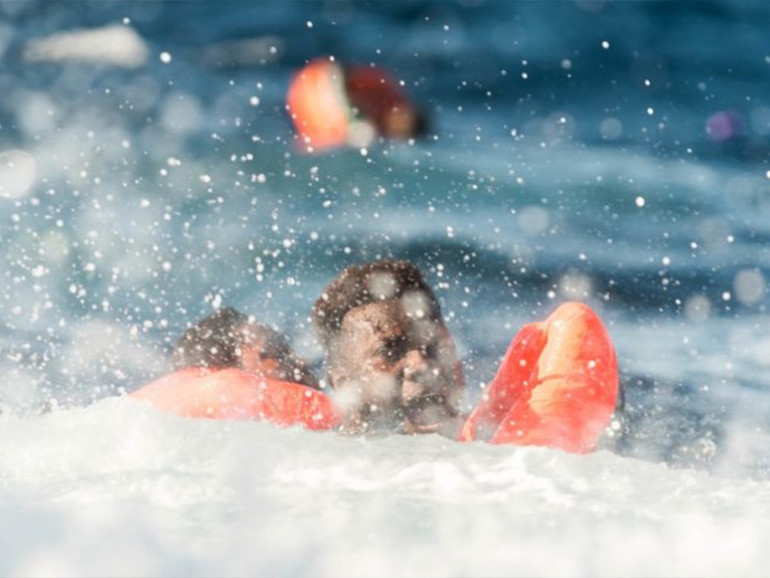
(118, 488)
(115, 45)
(17, 174)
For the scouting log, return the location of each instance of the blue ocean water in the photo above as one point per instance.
(614, 153)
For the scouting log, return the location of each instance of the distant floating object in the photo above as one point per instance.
(17, 174)
(332, 105)
(119, 46)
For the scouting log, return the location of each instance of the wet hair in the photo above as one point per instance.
(211, 342)
(223, 340)
(363, 284)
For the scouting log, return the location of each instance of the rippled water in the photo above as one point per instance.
(611, 153)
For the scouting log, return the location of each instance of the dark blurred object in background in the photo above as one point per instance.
(333, 106)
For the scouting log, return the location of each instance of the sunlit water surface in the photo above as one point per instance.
(611, 154)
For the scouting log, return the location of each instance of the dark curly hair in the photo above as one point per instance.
(218, 342)
(363, 284)
(212, 341)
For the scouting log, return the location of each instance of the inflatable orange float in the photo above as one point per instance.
(318, 104)
(557, 385)
(236, 394)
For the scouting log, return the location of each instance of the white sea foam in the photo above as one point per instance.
(17, 173)
(115, 45)
(117, 488)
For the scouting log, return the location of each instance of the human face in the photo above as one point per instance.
(394, 367)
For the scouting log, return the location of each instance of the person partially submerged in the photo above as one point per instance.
(228, 338)
(393, 368)
(333, 105)
(390, 358)
(227, 366)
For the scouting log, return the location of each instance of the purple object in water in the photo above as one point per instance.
(723, 125)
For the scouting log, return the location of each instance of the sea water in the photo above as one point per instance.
(614, 154)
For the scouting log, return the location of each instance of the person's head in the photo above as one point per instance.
(389, 354)
(227, 338)
(377, 97)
